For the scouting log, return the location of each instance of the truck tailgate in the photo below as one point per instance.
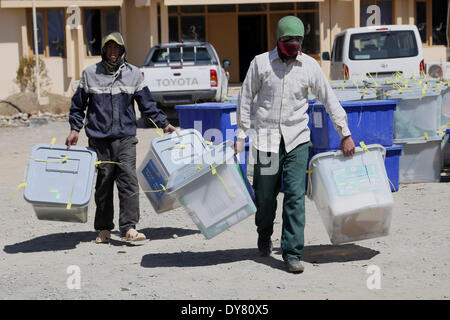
(177, 78)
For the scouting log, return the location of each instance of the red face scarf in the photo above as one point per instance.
(288, 49)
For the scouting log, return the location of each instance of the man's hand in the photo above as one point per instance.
(72, 139)
(239, 146)
(170, 128)
(348, 146)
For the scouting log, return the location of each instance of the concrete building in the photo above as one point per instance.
(69, 32)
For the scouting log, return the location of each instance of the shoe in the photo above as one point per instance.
(294, 265)
(133, 236)
(103, 237)
(265, 247)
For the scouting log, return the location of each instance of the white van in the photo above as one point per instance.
(376, 51)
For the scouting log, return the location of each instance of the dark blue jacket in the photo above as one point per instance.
(109, 99)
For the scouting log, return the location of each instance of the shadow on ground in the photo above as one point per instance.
(164, 232)
(311, 254)
(70, 240)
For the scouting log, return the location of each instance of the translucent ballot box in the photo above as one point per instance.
(352, 194)
(60, 182)
(167, 154)
(421, 160)
(213, 191)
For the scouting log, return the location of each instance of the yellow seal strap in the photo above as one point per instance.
(96, 163)
(20, 186)
(52, 143)
(214, 172)
(158, 130)
(69, 203)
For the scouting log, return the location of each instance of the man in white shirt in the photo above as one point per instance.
(280, 80)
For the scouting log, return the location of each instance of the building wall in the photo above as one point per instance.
(11, 21)
(57, 73)
(335, 16)
(226, 27)
(140, 30)
(137, 33)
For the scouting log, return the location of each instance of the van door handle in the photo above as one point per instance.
(177, 74)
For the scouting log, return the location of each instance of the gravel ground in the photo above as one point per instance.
(40, 259)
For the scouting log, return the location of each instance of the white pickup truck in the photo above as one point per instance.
(183, 73)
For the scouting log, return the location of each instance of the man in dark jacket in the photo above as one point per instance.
(108, 90)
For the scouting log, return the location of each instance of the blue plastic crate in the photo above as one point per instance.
(446, 149)
(217, 122)
(210, 115)
(391, 163)
(369, 121)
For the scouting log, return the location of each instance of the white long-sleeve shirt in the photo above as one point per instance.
(282, 101)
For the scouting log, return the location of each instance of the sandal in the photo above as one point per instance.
(132, 236)
(103, 237)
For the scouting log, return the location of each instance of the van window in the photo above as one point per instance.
(336, 55)
(383, 45)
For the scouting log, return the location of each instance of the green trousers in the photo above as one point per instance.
(267, 183)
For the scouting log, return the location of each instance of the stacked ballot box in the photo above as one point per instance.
(370, 122)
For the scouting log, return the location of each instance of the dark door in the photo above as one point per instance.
(252, 40)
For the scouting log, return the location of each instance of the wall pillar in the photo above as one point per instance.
(411, 12)
(153, 23)
(164, 23)
(356, 13)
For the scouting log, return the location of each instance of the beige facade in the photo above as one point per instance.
(237, 29)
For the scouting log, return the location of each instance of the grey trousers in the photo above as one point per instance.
(122, 150)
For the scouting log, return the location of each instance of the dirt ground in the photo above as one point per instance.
(37, 257)
(27, 102)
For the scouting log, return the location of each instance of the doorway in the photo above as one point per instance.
(252, 40)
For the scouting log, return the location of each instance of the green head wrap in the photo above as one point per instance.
(111, 67)
(290, 26)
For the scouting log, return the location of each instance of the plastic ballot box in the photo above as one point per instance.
(167, 154)
(352, 194)
(60, 182)
(213, 191)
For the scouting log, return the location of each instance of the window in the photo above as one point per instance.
(431, 20)
(337, 49)
(421, 19)
(222, 8)
(40, 32)
(383, 45)
(193, 28)
(439, 22)
(188, 23)
(281, 6)
(55, 32)
(311, 40)
(385, 11)
(192, 9)
(98, 23)
(252, 7)
(50, 32)
(173, 29)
